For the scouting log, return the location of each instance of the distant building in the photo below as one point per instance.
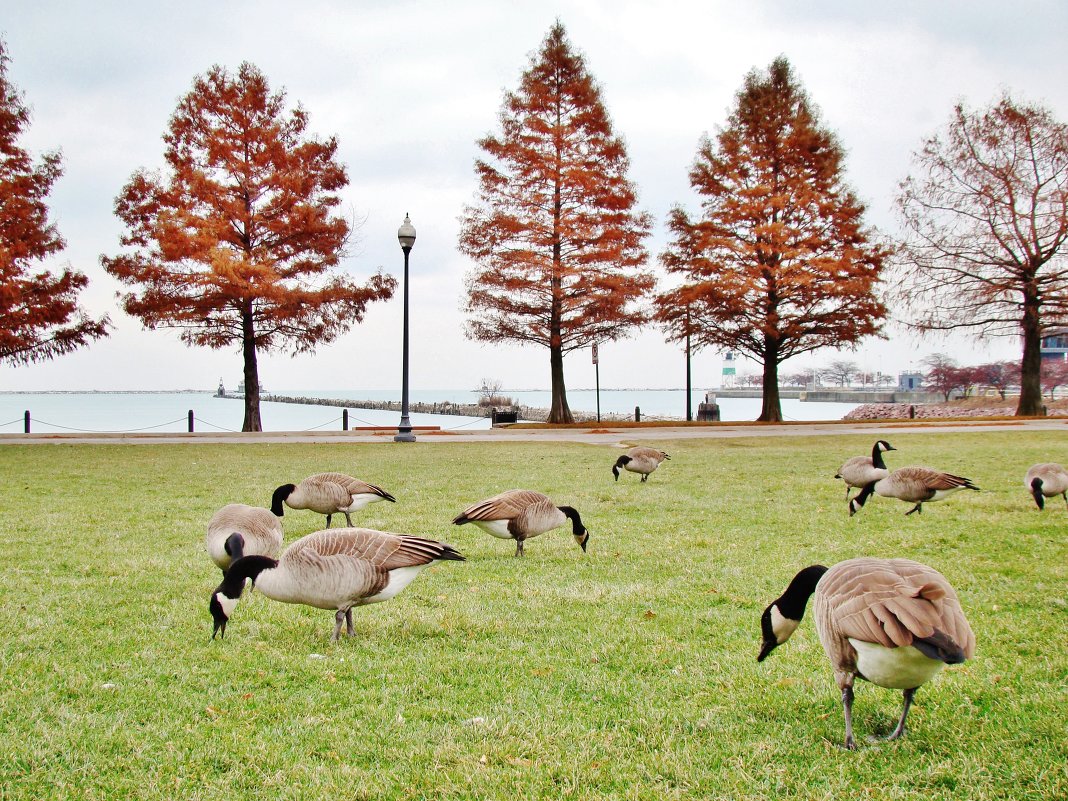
(1055, 345)
(908, 382)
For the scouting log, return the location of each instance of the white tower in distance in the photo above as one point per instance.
(727, 378)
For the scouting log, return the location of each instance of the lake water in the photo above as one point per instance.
(56, 412)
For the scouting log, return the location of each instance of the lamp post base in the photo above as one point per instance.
(404, 430)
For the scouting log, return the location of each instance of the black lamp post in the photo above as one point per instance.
(406, 237)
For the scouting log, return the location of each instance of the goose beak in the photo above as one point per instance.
(766, 648)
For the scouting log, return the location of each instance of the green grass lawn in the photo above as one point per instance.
(625, 673)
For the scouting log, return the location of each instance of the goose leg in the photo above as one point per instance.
(847, 706)
(349, 628)
(348, 520)
(645, 478)
(518, 548)
(899, 730)
(339, 618)
(917, 508)
(1065, 496)
(328, 520)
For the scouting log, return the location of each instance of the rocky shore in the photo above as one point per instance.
(966, 407)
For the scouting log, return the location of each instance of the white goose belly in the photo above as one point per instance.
(399, 578)
(498, 528)
(361, 501)
(895, 668)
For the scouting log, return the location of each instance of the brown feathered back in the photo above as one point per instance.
(889, 602)
(524, 506)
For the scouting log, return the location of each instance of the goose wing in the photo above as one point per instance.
(356, 487)
(894, 602)
(642, 452)
(505, 506)
(327, 490)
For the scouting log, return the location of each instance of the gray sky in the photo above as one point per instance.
(409, 87)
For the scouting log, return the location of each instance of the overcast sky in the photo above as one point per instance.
(409, 87)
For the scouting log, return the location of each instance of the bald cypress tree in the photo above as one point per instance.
(554, 232)
(39, 313)
(778, 262)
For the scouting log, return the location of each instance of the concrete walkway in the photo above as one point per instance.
(596, 434)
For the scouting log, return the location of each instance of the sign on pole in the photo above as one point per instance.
(595, 353)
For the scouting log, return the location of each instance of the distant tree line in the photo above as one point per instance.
(237, 242)
(943, 375)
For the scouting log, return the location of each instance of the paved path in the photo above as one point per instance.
(595, 435)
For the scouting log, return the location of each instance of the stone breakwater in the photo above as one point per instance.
(899, 411)
(528, 413)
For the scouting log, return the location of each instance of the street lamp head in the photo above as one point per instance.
(406, 234)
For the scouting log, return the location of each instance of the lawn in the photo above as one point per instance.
(625, 673)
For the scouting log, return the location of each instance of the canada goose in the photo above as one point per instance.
(639, 460)
(861, 470)
(328, 493)
(1046, 480)
(916, 485)
(893, 622)
(238, 530)
(521, 514)
(332, 569)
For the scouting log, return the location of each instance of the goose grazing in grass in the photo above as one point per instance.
(1047, 480)
(917, 485)
(328, 494)
(862, 470)
(521, 514)
(639, 460)
(238, 530)
(893, 622)
(332, 569)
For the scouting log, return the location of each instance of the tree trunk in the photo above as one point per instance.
(252, 374)
(771, 409)
(1031, 366)
(558, 409)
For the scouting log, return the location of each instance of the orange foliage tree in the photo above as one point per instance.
(986, 231)
(779, 262)
(237, 244)
(39, 313)
(555, 233)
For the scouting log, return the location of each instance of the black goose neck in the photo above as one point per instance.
(247, 567)
(280, 495)
(877, 456)
(792, 603)
(576, 522)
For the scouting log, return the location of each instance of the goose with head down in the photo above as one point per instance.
(329, 494)
(1047, 480)
(332, 569)
(238, 530)
(639, 460)
(916, 485)
(521, 514)
(893, 622)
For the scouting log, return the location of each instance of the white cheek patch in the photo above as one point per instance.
(782, 626)
(228, 604)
